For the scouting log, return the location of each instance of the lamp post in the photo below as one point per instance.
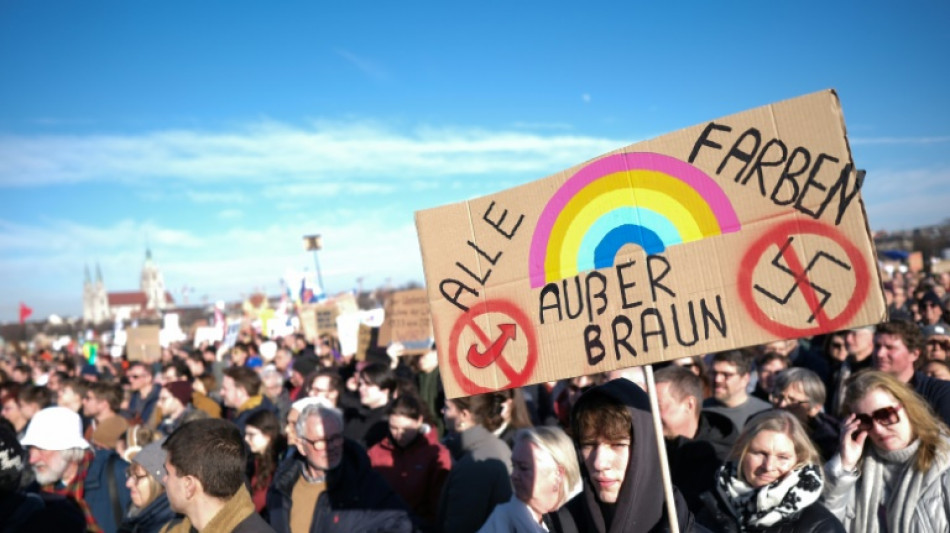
(314, 243)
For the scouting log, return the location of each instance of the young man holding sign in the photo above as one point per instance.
(613, 429)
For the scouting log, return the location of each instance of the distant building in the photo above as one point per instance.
(100, 306)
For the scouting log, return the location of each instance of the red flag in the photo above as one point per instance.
(25, 312)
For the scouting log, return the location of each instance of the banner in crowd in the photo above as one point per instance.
(408, 322)
(730, 233)
(142, 343)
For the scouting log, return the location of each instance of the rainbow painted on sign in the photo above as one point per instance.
(647, 199)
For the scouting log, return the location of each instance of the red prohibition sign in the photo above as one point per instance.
(777, 237)
(515, 378)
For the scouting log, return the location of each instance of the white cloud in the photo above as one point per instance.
(315, 155)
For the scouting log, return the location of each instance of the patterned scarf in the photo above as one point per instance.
(773, 503)
(75, 490)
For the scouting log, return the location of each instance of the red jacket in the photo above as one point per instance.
(417, 472)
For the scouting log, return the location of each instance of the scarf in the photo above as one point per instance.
(776, 502)
(76, 489)
(903, 492)
(251, 403)
(235, 511)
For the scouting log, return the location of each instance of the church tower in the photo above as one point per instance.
(95, 301)
(153, 283)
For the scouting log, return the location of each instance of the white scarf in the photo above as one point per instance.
(773, 503)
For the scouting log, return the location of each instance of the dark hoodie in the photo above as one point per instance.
(640, 506)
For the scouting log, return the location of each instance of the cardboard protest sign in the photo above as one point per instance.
(731, 233)
(408, 320)
(142, 343)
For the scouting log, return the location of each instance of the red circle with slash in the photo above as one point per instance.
(493, 351)
(777, 237)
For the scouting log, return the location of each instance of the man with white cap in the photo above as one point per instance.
(64, 463)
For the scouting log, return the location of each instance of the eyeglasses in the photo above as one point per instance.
(136, 376)
(885, 416)
(130, 472)
(725, 375)
(323, 444)
(778, 399)
(945, 345)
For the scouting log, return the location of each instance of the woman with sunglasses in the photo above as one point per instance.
(894, 455)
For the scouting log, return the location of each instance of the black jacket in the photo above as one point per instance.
(151, 519)
(935, 391)
(357, 498)
(693, 462)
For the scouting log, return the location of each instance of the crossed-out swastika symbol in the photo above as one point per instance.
(800, 277)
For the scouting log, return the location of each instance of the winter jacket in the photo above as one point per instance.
(693, 462)
(640, 505)
(932, 513)
(479, 480)
(237, 516)
(140, 409)
(935, 391)
(151, 519)
(252, 406)
(417, 472)
(97, 489)
(356, 498)
(364, 425)
(40, 512)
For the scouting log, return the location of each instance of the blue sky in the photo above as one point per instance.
(220, 132)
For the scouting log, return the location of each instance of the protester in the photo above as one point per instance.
(64, 463)
(325, 383)
(205, 466)
(144, 393)
(24, 511)
(893, 450)
(174, 402)
(936, 342)
(730, 381)
(898, 347)
(937, 368)
(801, 392)
(768, 366)
(145, 479)
(366, 423)
(411, 459)
(102, 402)
(545, 475)
(329, 485)
(697, 441)
(479, 479)
(267, 447)
(11, 412)
(772, 482)
(612, 428)
(241, 391)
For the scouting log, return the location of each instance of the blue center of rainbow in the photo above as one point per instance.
(645, 199)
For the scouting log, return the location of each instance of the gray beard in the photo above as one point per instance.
(53, 472)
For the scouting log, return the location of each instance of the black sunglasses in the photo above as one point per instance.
(885, 416)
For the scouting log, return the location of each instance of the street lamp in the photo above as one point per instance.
(315, 243)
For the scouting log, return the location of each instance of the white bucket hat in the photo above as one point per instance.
(55, 428)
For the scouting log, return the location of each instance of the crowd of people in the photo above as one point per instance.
(846, 431)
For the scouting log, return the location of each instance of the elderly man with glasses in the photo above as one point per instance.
(329, 485)
(802, 393)
(144, 394)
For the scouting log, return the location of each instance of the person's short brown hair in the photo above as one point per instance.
(599, 417)
(683, 383)
(37, 394)
(211, 450)
(909, 333)
(245, 378)
(741, 359)
(110, 392)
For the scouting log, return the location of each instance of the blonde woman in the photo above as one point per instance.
(545, 475)
(893, 451)
(145, 478)
(771, 483)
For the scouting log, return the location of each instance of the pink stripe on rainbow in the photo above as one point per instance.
(708, 189)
